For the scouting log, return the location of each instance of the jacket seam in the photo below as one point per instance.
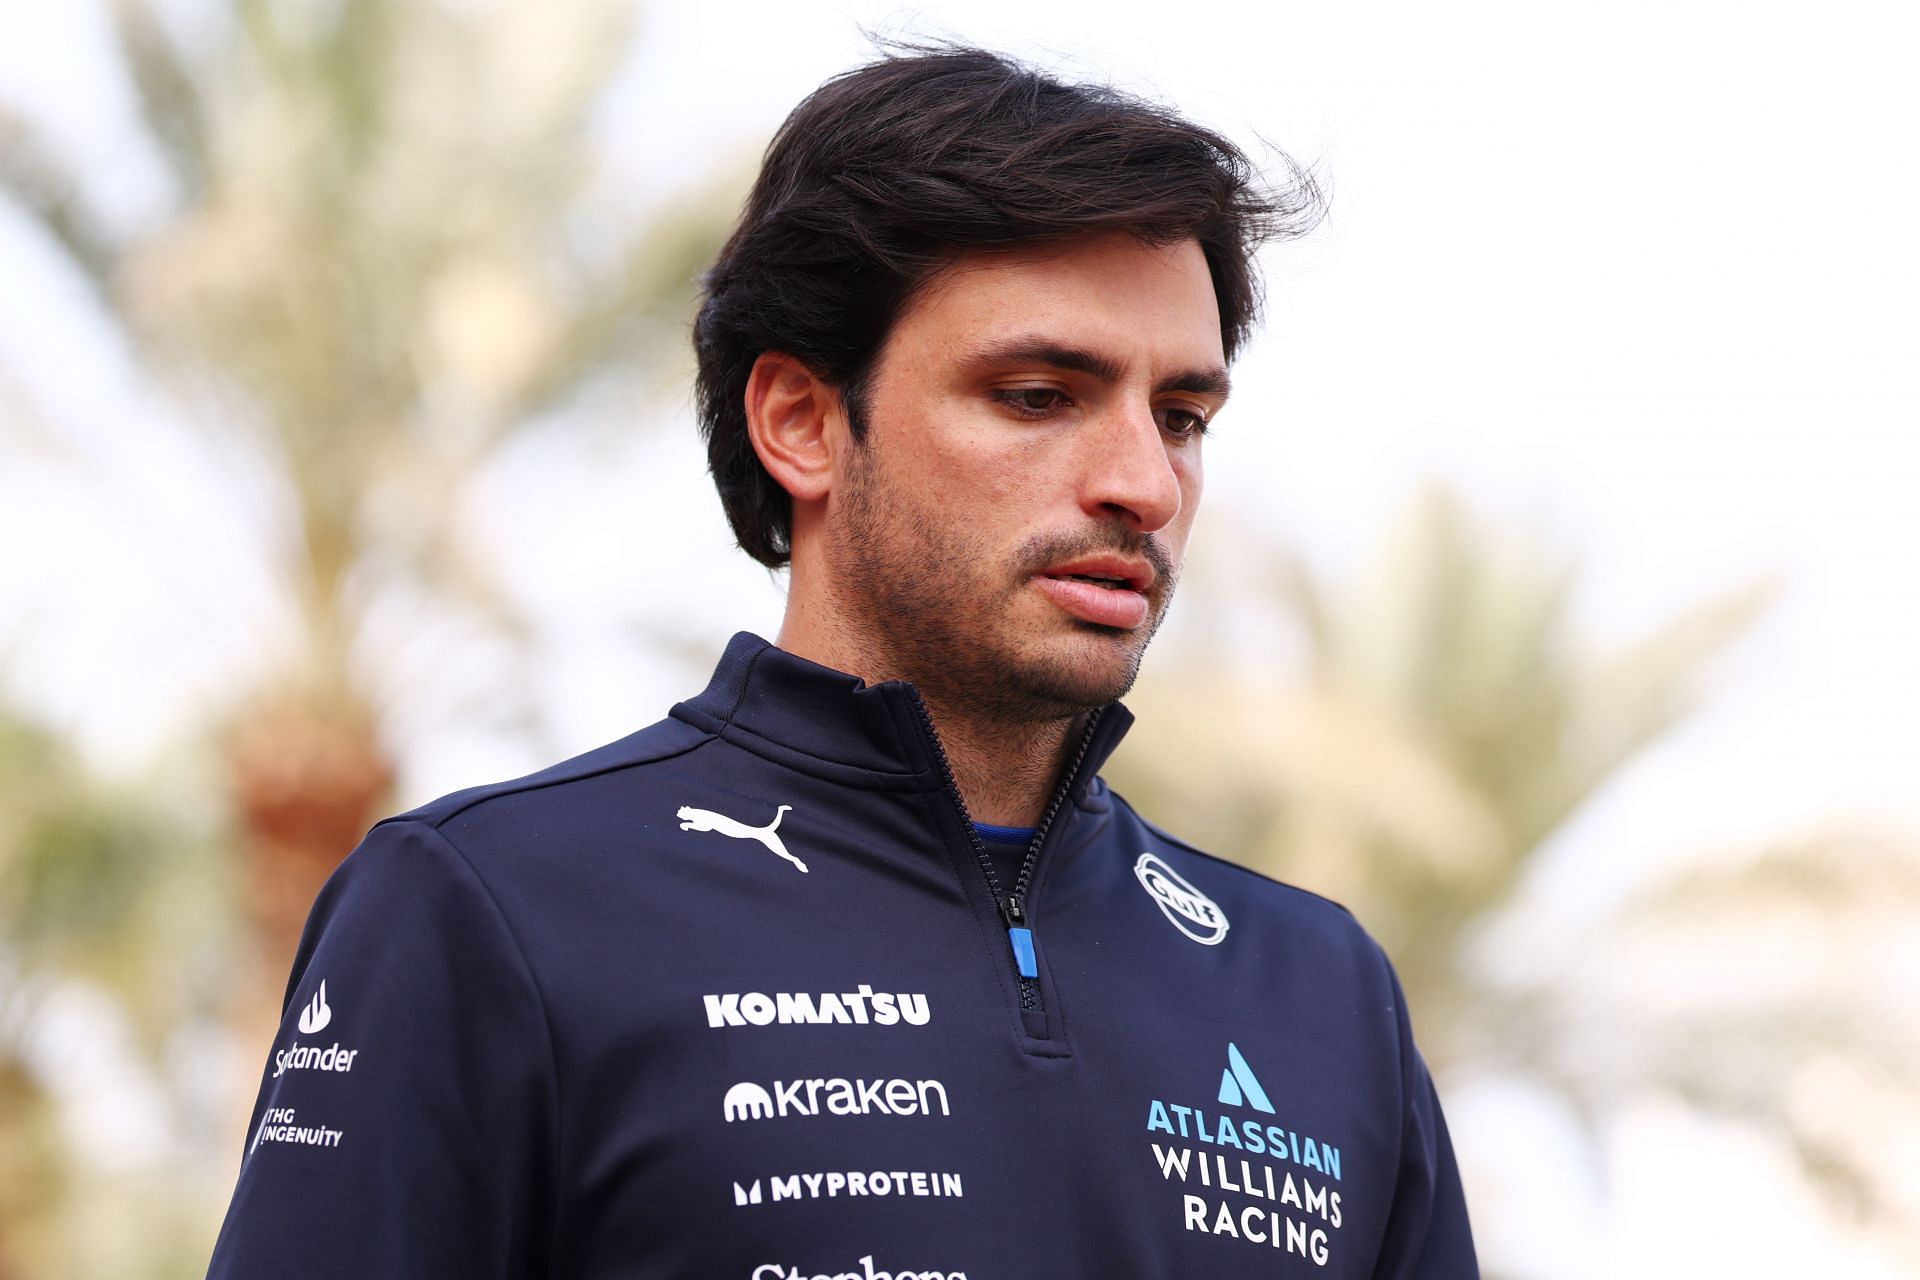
(1402, 1043)
(540, 1000)
(731, 726)
(746, 678)
(747, 739)
(525, 787)
(786, 756)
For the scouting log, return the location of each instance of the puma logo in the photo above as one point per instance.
(692, 819)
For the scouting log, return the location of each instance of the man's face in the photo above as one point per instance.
(1033, 422)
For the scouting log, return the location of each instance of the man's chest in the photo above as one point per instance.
(815, 1098)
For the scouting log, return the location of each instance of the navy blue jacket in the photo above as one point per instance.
(742, 995)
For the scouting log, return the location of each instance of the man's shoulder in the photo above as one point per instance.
(566, 786)
(1247, 892)
(535, 864)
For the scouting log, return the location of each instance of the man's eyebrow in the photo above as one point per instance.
(1199, 382)
(1058, 355)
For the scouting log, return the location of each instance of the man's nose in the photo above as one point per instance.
(1130, 472)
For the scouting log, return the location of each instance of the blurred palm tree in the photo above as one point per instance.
(382, 258)
(381, 261)
(1771, 985)
(103, 889)
(1442, 722)
(1442, 726)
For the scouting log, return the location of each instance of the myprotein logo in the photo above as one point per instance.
(835, 1097)
(780, 1271)
(1191, 911)
(861, 1007)
(851, 1184)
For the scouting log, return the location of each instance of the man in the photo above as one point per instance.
(852, 966)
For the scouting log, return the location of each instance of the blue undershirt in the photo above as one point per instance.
(1007, 847)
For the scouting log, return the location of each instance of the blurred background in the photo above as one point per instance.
(1555, 607)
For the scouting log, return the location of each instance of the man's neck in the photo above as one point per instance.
(1005, 764)
(1005, 768)
(1006, 772)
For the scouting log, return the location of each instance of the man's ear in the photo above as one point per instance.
(796, 423)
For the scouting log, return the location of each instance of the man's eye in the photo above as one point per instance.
(1182, 423)
(1032, 402)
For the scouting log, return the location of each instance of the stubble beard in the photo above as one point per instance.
(930, 601)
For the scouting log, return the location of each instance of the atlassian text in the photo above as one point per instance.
(774, 1271)
(1247, 1135)
(278, 1126)
(858, 1007)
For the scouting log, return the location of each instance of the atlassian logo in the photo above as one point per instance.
(861, 1007)
(1238, 1087)
(1192, 912)
(748, 1101)
(774, 1271)
(318, 1013)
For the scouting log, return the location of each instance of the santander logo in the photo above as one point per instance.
(318, 1013)
(315, 1016)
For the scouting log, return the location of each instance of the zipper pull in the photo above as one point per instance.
(1015, 914)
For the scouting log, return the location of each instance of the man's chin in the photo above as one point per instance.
(1090, 667)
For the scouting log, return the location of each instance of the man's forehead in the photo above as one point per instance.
(1077, 256)
(1114, 298)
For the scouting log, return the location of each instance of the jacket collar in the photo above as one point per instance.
(835, 725)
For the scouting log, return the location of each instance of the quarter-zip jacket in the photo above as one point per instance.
(740, 996)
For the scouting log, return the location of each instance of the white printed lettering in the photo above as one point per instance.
(861, 1007)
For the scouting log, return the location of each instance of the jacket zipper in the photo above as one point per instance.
(1012, 906)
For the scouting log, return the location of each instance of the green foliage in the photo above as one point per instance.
(386, 254)
(108, 889)
(72, 863)
(1444, 723)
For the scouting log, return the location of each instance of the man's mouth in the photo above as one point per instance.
(1106, 591)
(1112, 571)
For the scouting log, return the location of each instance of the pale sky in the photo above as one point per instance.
(1640, 278)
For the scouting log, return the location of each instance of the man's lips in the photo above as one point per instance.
(1109, 591)
(1128, 571)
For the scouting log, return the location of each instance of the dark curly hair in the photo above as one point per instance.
(887, 173)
